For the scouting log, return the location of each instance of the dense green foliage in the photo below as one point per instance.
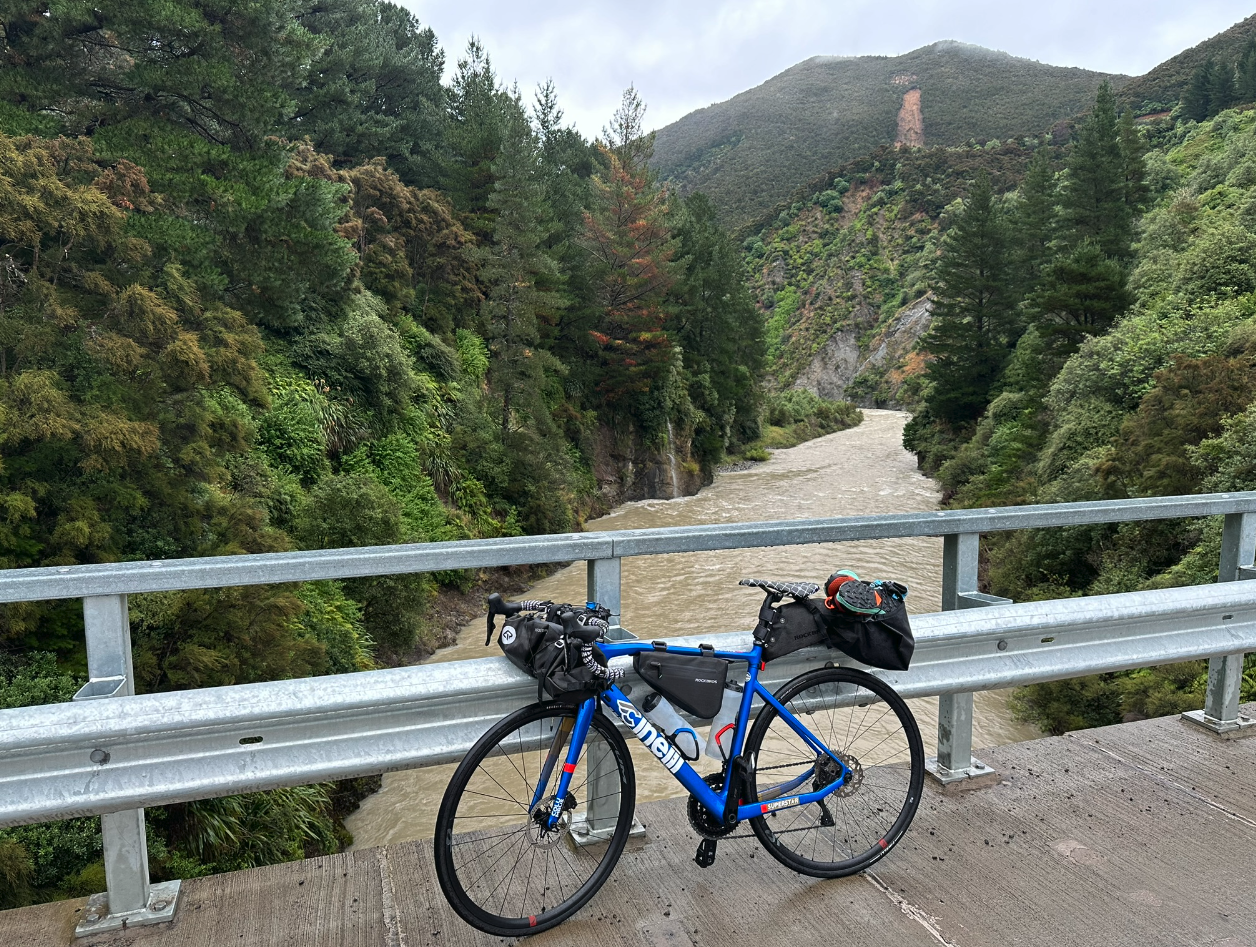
(1154, 398)
(1124, 362)
(848, 258)
(752, 152)
(1220, 84)
(266, 283)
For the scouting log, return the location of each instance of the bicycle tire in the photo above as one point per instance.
(864, 819)
(473, 848)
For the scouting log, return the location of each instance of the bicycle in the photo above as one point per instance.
(516, 855)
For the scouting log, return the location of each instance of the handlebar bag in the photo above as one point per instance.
(693, 683)
(522, 639)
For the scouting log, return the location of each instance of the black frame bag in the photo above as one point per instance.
(694, 683)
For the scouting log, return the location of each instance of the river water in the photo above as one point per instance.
(862, 471)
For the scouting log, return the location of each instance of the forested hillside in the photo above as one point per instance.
(1116, 358)
(1162, 88)
(267, 283)
(752, 152)
(1070, 317)
(836, 272)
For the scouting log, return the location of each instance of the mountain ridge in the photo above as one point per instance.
(754, 149)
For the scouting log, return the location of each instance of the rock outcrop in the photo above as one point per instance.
(628, 469)
(839, 362)
(833, 367)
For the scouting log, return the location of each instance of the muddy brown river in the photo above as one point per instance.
(861, 471)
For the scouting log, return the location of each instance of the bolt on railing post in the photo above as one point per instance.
(1225, 674)
(130, 900)
(954, 762)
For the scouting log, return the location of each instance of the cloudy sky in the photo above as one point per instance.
(685, 54)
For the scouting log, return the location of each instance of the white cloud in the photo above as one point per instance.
(684, 56)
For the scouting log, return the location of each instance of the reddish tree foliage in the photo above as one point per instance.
(627, 235)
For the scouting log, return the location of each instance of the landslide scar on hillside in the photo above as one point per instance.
(911, 124)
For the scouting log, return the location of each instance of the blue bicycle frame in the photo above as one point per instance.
(667, 754)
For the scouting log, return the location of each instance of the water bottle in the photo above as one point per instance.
(719, 744)
(672, 725)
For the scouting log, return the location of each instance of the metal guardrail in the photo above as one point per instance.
(103, 756)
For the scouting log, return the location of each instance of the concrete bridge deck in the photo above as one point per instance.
(1142, 834)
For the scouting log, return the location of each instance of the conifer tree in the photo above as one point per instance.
(1094, 193)
(1196, 97)
(1245, 86)
(626, 136)
(519, 277)
(1133, 153)
(974, 319)
(1221, 88)
(376, 89)
(630, 248)
(1035, 220)
(473, 135)
(1083, 292)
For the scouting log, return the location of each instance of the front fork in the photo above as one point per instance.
(578, 731)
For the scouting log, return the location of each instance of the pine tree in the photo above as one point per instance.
(1196, 102)
(1246, 79)
(1035, 220)
(630, 247)
(716, 324)
(1221, 88)
(519, 276)
(376, 89)
(974, 312)
(473, 135)
(1082, 293)
(626, 136)
(1093, 198)
(1133, 152)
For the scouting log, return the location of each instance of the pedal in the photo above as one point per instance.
(706, 853)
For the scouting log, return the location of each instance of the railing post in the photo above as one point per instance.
(602, 808)
(954, 762)
(130, 900)
(603, 586)
(1225, 674)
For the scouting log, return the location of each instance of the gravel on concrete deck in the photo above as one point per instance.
(1142, 834)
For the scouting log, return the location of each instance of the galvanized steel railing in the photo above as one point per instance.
(113, 756)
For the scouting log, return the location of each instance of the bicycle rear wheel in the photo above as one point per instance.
(865, 723)
(497, 866)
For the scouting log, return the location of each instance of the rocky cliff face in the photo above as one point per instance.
(628, 469)
(874, 375)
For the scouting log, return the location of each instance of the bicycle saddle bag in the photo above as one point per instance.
(693, 683)
(880, 637)
(797, 625)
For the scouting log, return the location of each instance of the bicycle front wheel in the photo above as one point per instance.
(499, 868)
(869, 727)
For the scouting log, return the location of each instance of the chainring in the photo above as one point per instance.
(703, 821)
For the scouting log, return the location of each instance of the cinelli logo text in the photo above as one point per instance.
(654, 741)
